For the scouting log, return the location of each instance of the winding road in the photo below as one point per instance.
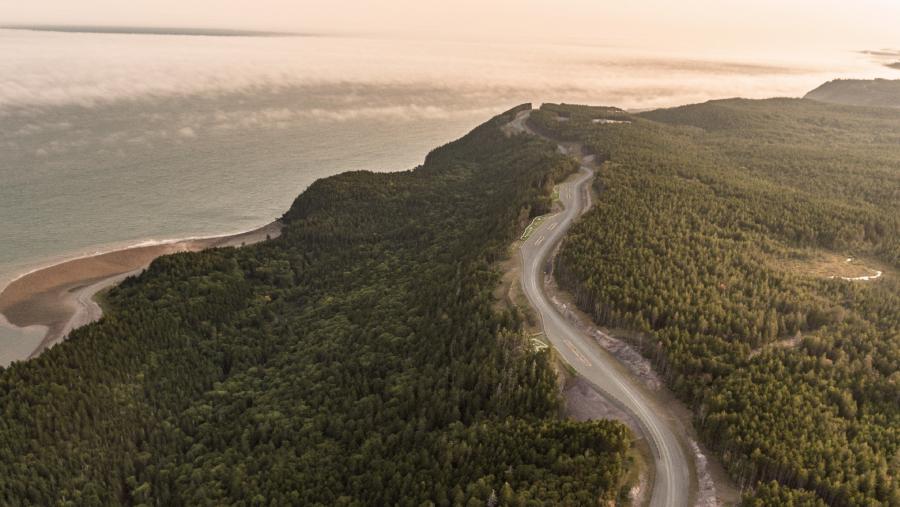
(672, 483)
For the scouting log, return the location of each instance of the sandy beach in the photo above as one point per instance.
(60, 298)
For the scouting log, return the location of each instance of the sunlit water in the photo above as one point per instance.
(108, 140)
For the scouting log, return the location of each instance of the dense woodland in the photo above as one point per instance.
(706, 217)
(355, 360)
(860, 92)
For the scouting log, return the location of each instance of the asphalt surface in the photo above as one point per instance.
(672, 482)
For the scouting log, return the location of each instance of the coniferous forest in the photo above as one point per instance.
(360, 359)
(357, 359)
(705, 248)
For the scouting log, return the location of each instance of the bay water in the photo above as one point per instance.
(111, 140)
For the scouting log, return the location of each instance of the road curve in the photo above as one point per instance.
(672, 484)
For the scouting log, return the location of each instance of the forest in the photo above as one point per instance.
(704, 248)
(357, 359)
(860, 92)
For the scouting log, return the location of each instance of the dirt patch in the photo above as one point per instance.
(584, 403)
(789, 343)
(639, 366)
(824, 264)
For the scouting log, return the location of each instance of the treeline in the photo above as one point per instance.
(793, 378)
(355, 360)
(860, 92)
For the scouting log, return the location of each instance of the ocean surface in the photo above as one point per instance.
(109, 140)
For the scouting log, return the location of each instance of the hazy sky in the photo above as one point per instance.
(810, 23)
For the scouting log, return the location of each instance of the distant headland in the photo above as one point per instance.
(154, 30)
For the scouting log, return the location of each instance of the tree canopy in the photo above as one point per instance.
(355, 360)
(706, 217)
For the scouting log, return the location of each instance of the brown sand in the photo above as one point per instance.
(60, 296)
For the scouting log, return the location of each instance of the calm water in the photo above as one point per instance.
(109, 140)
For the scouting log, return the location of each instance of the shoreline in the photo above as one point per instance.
(60, 297)
(121, 246)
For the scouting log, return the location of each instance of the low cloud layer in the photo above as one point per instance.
(890, 53)
(158, 123)
(889, 58)
(60, 69)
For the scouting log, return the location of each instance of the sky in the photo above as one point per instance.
(860, 24)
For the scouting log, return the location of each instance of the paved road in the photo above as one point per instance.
(672, 484)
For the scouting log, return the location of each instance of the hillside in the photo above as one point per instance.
(354, 360)
(719, 245)
(858, 92)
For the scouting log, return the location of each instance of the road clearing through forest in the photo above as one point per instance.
(673, 477)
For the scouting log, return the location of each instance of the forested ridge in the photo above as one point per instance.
(355, 360)
(706, 217)
(860, 92)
